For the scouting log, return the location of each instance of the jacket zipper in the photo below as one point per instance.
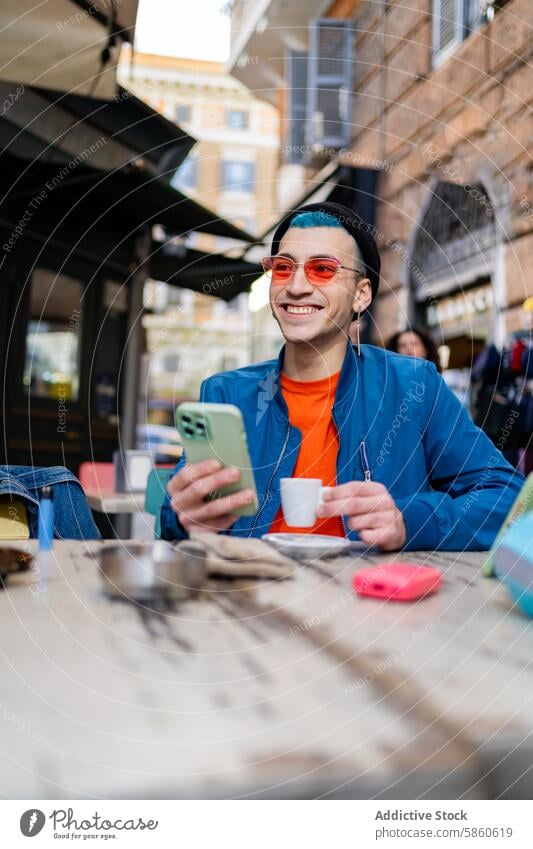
(272, 476)
(337, 428)
(364, 462)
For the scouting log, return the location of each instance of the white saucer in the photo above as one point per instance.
(313, 545)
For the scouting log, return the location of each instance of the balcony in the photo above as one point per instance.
(261, 31)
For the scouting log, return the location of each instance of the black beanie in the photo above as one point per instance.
(352, 223)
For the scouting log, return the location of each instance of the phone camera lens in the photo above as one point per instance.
(186, 419)
(189, 431)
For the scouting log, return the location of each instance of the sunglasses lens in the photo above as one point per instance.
(281, 268)
(320, 270)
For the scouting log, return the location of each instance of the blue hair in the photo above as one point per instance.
(315, 219)
(319, 218)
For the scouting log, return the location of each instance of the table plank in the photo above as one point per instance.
(267, 688)
(467, 649)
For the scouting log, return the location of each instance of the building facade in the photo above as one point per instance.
(442, 98)
(231, 170)
(435, 96)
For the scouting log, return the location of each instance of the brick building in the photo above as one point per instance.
(455, 200)
(440, 107)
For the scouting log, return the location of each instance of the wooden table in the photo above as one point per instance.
(291, 689)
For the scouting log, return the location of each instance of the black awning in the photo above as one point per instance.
(353, 187)
(56, 199)
(211, 274)
(356, 189)
(131, 121)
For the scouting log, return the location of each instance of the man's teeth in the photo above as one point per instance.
(291, 308)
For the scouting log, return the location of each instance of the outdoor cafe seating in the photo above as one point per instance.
(264, 655)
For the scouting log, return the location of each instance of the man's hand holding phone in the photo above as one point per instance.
(190, 488)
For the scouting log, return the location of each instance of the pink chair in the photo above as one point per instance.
(97, 477)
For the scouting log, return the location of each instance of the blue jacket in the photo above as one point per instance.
(72, 516)
(398, 424)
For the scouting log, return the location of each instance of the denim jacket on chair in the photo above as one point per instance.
(72, 516)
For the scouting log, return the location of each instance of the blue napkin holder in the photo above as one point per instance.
(513, 562)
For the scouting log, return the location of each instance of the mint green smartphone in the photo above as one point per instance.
(522, 503)
(216, 431)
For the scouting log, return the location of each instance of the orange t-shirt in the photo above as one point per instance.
(310, 404)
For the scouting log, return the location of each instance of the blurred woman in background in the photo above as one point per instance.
(414, 343)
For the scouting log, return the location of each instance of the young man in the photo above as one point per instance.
(406, 466)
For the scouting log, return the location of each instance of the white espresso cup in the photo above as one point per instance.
(300, 499)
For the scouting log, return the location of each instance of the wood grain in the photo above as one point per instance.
(289, 689)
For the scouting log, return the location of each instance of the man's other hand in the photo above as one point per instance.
(188, 491)
(370, 510)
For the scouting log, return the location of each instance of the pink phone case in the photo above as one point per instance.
(397, 581)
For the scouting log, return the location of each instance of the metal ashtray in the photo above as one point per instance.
(153, 570)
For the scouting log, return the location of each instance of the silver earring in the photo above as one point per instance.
(357, 340)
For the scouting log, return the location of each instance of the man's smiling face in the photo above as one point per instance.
(316, 314)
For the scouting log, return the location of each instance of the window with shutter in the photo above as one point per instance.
(237, 119)
(453, 21)
(186, 176)
(329, 83)
(296, 76)
(237, 176)
(183, 112)
(448, 23)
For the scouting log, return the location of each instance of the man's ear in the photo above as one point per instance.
(363, 295)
